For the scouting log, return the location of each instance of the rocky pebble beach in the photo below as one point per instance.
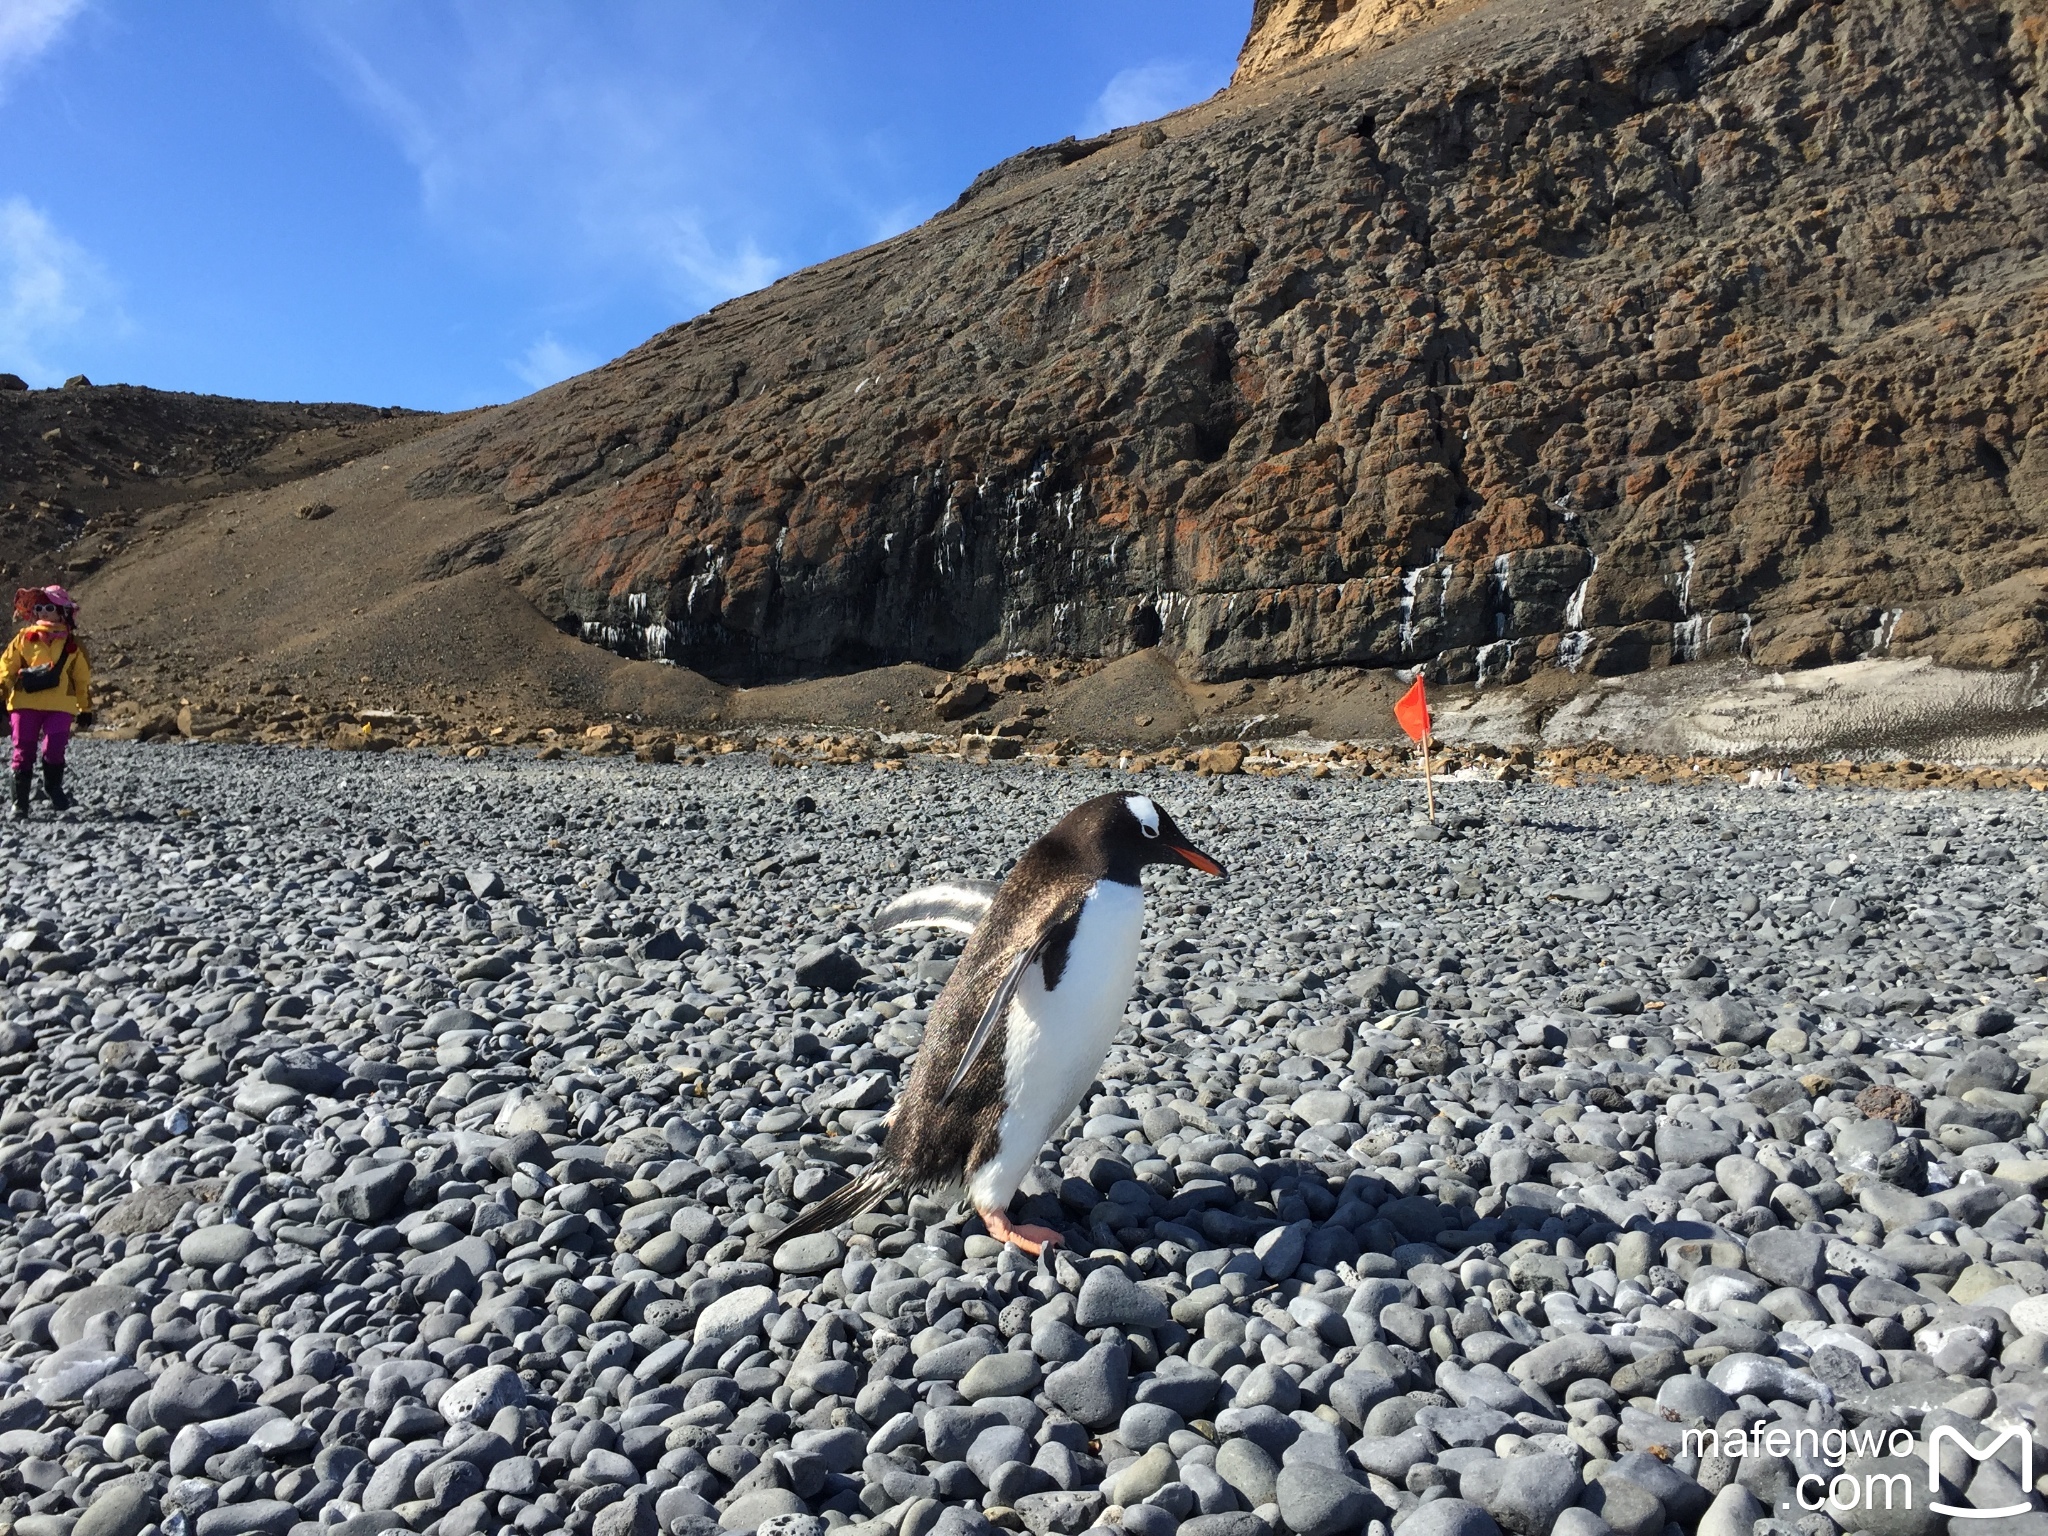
(397, 1143)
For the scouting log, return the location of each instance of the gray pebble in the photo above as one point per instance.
(1533, 1492)
(1094, 1389)
(1110, 1298)
(1144, 1477)
(731, 1317)
(184, 1394)
(1316, 1500)
(1450, 1517)
(1248, 1468)
(813, 1254)
(1006, 1373)
(1794, 1259)
(1627, 1507)
(119, 1507)
(223, 1243)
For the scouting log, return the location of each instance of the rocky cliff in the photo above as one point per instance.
(1554, 332)
(1289, 32)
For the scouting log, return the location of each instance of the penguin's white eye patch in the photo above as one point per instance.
(1146, 812)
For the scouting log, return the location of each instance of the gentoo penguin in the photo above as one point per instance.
(1022, 1025)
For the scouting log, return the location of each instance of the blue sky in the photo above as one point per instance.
(441, 203)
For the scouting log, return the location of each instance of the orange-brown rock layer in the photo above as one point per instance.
(1289, 32)
(1597, 333)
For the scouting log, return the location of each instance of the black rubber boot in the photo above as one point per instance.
(53, 786)
(23, 779)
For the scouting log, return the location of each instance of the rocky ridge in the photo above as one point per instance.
(89, 470)
(1592, 335)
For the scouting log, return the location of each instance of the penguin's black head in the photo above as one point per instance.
(1124, 833)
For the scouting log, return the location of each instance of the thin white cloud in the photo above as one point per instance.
(526, 140)
(548, 361)
(53, 294)
(707, 270)
(1151, 90)
(416, 136)
(891, 222)
(27, 28)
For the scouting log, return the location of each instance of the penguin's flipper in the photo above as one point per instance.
(957, 905)
(1006, 990)
(877, 1182)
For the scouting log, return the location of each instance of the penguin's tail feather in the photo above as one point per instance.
(876, 1184)
(955, 905)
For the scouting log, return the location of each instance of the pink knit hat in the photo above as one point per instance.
(26, 598)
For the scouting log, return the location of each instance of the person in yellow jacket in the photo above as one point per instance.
(49, 686)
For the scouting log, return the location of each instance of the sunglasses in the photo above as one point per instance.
(46, 608)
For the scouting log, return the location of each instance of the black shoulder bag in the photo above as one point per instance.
(37, 679)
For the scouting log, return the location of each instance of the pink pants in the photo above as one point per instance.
(53, 726)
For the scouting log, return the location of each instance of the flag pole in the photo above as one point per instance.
(1411, 713)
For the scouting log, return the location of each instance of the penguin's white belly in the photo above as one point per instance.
(1056, 1040)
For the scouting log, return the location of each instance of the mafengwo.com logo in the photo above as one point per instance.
(1845, 1492)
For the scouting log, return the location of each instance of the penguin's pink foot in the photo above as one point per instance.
(1033, 1240)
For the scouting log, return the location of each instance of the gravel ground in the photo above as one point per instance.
(391, 1144)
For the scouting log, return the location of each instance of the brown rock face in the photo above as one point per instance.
(1289, 32)
(1603, 333)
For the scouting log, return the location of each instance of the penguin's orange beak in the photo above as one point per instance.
(1194, 858)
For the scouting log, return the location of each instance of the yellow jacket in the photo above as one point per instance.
(38, 646)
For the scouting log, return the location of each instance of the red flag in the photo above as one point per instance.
(1412, 710)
